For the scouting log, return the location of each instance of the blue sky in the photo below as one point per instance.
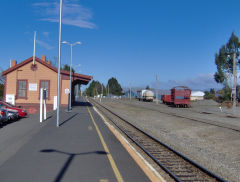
(132, 40)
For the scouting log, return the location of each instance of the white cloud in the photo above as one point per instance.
(73, 13)
(201, 82)
(46, 34)
(44, 44)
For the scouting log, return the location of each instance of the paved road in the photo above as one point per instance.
(72, 152)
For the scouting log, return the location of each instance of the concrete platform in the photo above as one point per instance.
(81, 149)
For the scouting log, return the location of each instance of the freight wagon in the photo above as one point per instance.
(166, 99)
(180, 97)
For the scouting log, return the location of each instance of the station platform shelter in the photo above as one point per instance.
(23, 82)
(82, 148)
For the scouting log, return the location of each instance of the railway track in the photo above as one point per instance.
(200, 120)
(179, 167)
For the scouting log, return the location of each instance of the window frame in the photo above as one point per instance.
(20, 97)
(40, 81)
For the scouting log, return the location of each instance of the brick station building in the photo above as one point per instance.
(25, 79)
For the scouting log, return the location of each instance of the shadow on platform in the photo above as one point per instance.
(69, 160)
(68, 119)
(78, 103)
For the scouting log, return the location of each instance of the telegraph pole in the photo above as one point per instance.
(156, 89)
(234, 83)
(102, 90)
(130, 91)
(34, 46)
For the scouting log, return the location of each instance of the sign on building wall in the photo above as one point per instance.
(10, 98)
(32, 86)
(67, 91)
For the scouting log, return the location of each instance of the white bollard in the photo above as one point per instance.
(45, 108)
(41, 96)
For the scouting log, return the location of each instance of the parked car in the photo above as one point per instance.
(12, 115)
(9, 107)
(3, 115)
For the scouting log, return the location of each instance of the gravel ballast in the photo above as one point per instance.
(214, 147)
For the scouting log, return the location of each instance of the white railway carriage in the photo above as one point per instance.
(145, 95)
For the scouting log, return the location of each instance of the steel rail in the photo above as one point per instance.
(204, 170)
(205, 121)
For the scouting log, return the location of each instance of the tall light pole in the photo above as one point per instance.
(59, 61)
(71, 45)
(234, 83)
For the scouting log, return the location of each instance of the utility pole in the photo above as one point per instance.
(102, 90)
(96, 91)
(156, 89)
(34, 46)
(234, 83)
(231, 76)
(130, 92)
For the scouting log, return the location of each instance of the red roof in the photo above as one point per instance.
(76, 75)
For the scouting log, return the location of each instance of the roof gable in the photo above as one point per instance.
(80, 76)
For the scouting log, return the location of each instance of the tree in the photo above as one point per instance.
(2, 78)
(224, 60)
(147, 87)
(224, 94)
(66, 67)
(2, 81)
(1, 90)
(210, 94)
(238, 93)
(212, 91)
(114, 87)
(95, 88)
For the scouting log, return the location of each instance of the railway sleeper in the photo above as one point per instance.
(186, 176)
(179, 169)
(190, 180)
(168, 159)
(157, 150)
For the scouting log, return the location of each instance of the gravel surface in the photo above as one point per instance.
(215, 148)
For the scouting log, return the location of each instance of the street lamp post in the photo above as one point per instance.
(59, 62)
(70, 90)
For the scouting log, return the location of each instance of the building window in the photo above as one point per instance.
(22, 89)
(45, 84)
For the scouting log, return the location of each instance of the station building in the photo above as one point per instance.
(24, 80)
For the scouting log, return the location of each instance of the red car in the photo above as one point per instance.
(8, 106)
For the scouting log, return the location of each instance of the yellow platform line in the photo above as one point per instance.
(110, 158)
